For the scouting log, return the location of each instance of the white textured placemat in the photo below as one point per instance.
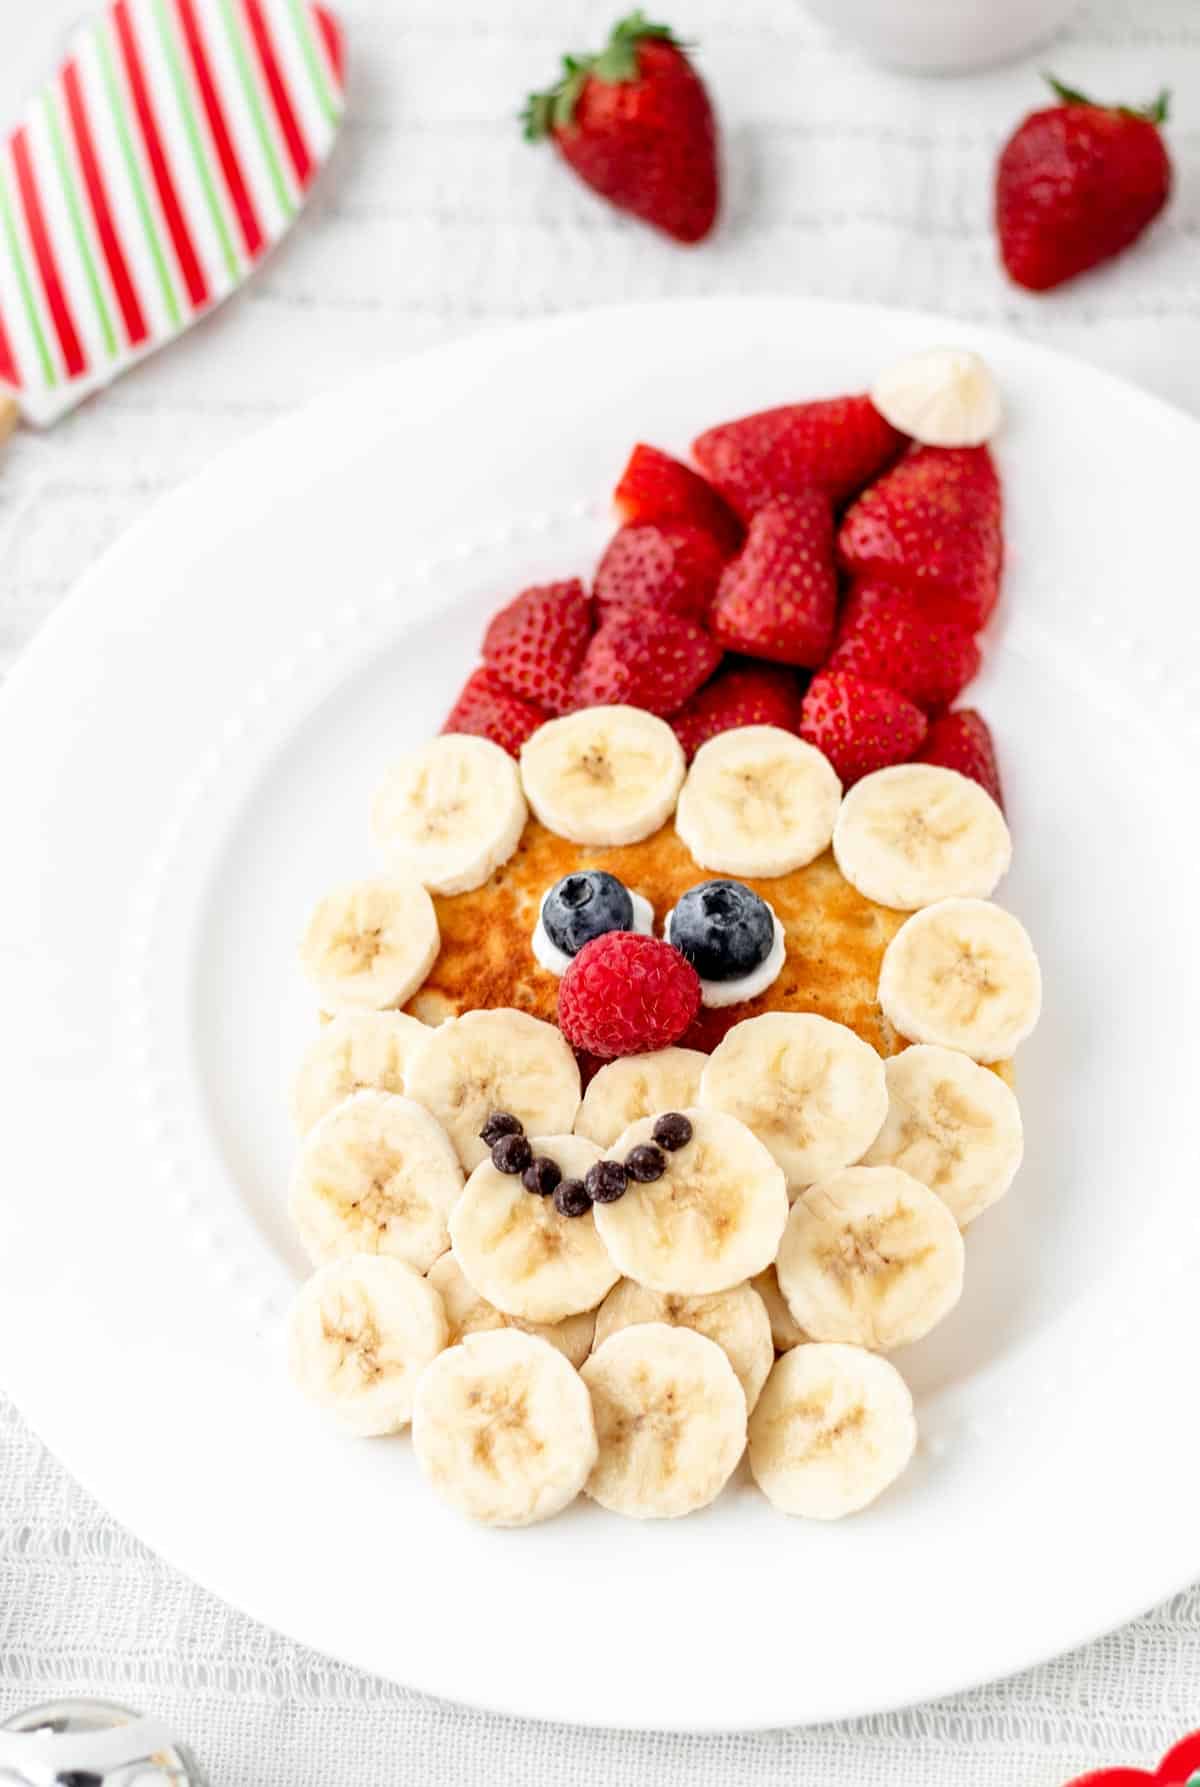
(435, 219)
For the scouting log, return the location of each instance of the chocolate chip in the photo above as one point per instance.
(645, 1163)
(606, 1182)
(500, 1123)
(571, 1198)
(511, 1154)
(541, 1175)
(672, 1131)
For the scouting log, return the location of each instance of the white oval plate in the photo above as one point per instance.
(186, 753)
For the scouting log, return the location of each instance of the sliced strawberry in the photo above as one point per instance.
(489, 710)
(932, 524)
(645, 659)
(741, 694)
(962, 740)
(859, 726)
(655, 487)
(671, 566)
(778, 599)
(886, 637)
(838, 445)
(536, 644)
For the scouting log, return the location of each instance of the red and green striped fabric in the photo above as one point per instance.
(165, 157)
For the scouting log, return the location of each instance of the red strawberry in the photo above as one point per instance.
(887, 637)
(741, 694)
(636, 124)
(778, 599)
(669, 566)
(486, 708)
(838, 444)
(859, 726)
(962, 740)
(536, 644)
(1180, 1767)
(655, 487)
(1075, 184)
(932, 525)
(645, 659)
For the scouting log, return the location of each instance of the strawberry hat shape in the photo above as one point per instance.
(152, 172)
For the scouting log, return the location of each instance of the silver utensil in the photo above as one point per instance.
(92, 1743)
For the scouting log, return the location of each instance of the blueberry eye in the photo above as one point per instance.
(723, 928)
(583, 906)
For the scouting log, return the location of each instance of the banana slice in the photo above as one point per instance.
(915, 833)
(713, 1219)
(469, 1313)
(785, 1330)
(378, 1174)
(735, 1319)
(515, 1249)
(757, 801)
(360, 1333)
(951, 1124)
(670, 1421)
(833, 1428)
(353, 1053)
(449, 813)
(503, 1429)
(489, 1061)
(369, 946)
(870, 1257)
(945, 397)
(811, 1090)
(962, 974)
(638, 1086)
(607, 775)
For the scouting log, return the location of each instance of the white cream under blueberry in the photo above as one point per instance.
(732, 938)
(556, 960)
(745, 986)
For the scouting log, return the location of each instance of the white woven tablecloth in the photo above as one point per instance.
(842, 180)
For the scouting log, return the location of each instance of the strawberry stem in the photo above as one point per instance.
(554, 108)
(1154, 113)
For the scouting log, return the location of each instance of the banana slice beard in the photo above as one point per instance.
(812, 1091)
(469, 1313)
(360, 1333)
(369, 946)
(638, 1086)
(758, 801)
(503, 1429)
(736, 1320)
(915, 833)
(713, 1220)
(489, 1061)
(962, 974)
(378, 1174)
(834, 1427)
(359, 1052)
(870, 1257)
(449, 813)
(785, 1330)
(607, 775)
(515, 1249)
(951, 1124)
(670, 1421)
(945, 397)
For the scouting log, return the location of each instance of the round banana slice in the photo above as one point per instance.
(713, 1219)
(469, 1313)
(962, 974)
(757, 801)
(449, 813)
(607, 775)
(916, 833)
(489, 1061)
(360, 1333)
(357, 1052)
(810, 1089)
(833, 1428)
(785, 1330)
(870, 1257)
(951, 1124)
(945, 397)
(735, 1319)
(370, 946)
(638, 1086)
(515, 1249)
(503, 1429)
(378, 1174)
(670, 1421)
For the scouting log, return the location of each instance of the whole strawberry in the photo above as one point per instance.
(486, 707)
(636, 123)
(1075, 184)
(536, 643)
(778, 599)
